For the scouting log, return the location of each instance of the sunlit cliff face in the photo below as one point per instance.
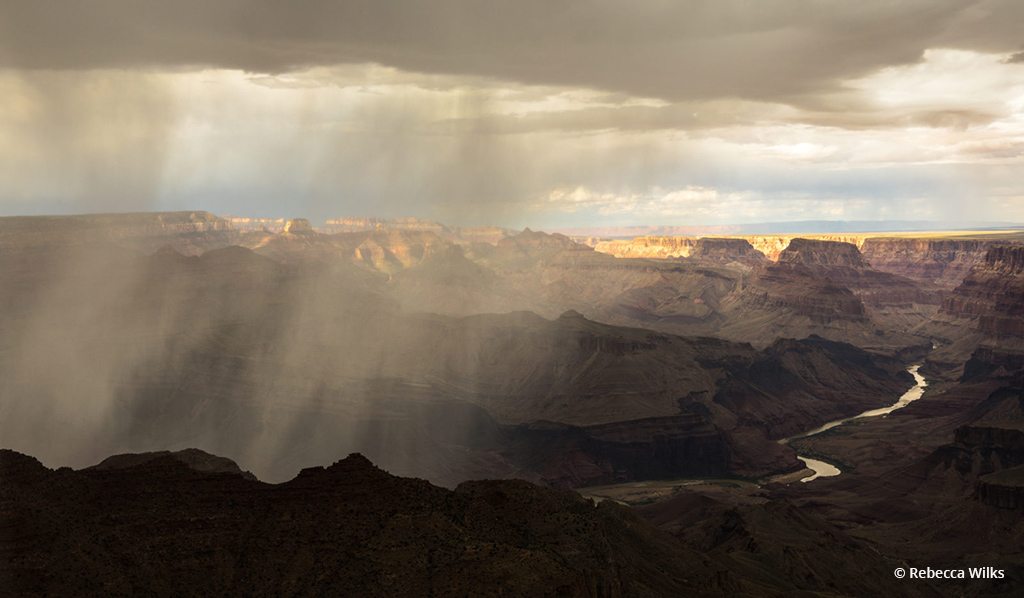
(597, 114)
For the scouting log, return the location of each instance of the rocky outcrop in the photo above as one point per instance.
(463, 235)
(826, 288)
(992, 294)
(1006, 259)
(843, 264)
(981, 322)
(653, 247)
(986, 456)
(250, 224)
(530, 249)
(382, 251)
(1003, 489)
(982, 448)
(771, 246)
(392, 251)
(935, 261)
(826, 254)
(298, 226)
(534, 242)
(796, 287)
(940, 262)
(354, 225)
(727, 429)
(793, 367)
(725, 289)
(987, 361)
(726, 251)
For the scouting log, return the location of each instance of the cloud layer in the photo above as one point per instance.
(504, 112)
(672, 50)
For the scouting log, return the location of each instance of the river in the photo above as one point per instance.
(823, 469)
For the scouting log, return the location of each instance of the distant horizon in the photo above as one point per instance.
(796, 227)
(780, 227)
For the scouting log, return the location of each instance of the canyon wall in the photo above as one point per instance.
(992, 293)
(247, 224)
(940, 262)
(463, 235)
(1003, 489)
(353, 225)
(666, 247)
(21, 231)
(188, 232)
(656, 247)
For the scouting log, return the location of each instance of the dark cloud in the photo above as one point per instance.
(475, 112)
(774, 49)
(1016, 58)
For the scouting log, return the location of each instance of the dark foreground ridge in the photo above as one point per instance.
(163, 525)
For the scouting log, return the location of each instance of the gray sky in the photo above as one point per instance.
(539, 113)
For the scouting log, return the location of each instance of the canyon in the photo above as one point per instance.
(205, 361)
(939, 258)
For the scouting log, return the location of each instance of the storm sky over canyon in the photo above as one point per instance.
(538, 114)
(512, 297)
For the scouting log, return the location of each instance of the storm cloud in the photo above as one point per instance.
(494, 112)
(775, 49)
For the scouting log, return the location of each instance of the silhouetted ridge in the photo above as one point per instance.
(354, 467)
(17, 467)
(348, 529)
(193, 458)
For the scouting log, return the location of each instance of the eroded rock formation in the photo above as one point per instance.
(992, 294)
(940, 262)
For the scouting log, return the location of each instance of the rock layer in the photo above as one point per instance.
(992, 294)
(940, 262)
